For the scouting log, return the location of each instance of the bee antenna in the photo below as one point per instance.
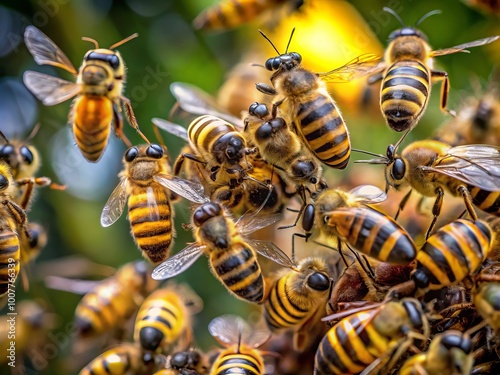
(33, 133)
(290, 40)
(367, 153)
(259, 65)
(425, 16)
(269, 40)
(389, 10)
(123, 41)
(87, 39)
(4, 137)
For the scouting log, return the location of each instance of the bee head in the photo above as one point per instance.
(407, 31)
(206, 212)
(285, 62)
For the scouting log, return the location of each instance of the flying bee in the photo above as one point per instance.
(407, 73)
(147, 185)
(367, 339)
(241, 341)
(232, 256)
(432, 167)
(98, 91)
(297, 299)
(304, 102)
(113, 301)
(229, 14)
(344, 217)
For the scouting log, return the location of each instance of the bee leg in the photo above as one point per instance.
(402, 204)
(405, 289)
(118, 123)
(445, 88)
(129, 112)
(468, 202)
(306, 236)
(436, 210)
(265, 89)
(274, 111)
(365, 266)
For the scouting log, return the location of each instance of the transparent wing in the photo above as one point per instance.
(45, 51)
(194, 100)
(190, 190)
(249, 223)
(462, 47)
(368, 194)
(477, 165)
(178, 263)
(271, 251)
(170, 127)
(357, 67)
(231, 329)
(48, 89)
(113, 208)
(152, 205)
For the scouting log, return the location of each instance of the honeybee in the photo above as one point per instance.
(304, 102)
(485, 298)
(232, 256)
(98, 90)
(113, 301)
(189, 362)
(147, 185)
(297, 299)
(367, 339)
(432, 167)
(163, 320)
(407, 72)
(241, 341)
(344, 217)
(449, 353)
(229, 14)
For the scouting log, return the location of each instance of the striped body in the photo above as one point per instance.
(161, 321)
(488, 201)
(92, 119)
(452, 253)
(122, 360)
(404, 93)
(228, 14)
(371, 233)
(10, 254)
(244, 361)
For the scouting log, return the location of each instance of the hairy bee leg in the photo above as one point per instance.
(436, 210)
(402, 204)
(364, 266)
(274, 111)
(405, 289)
(118, 123)
(129, 112)
(306, 236)
(468, 202)
(445, 88)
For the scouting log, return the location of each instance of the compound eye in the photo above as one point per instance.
(253, 107)
(6, 150)
(398, 169)
(318, 281)
(4, 182)
(296, 57)
(154, 151)
(390, 152)
(270, 64)
(131, 154)
(205, 212)
(26, 154)
(114, 61)
(259, 110)
(264, 131)
(179, 360)
(303, 168)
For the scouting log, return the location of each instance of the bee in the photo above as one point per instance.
(363, 340)
(304, 102)
(241, 341)
(163, 320)
(490, 7)
(147, 185)
(229, 14)
(407, 72)
(432, 167)
(98, 91)
(297, 299)
(344, 217)
(189, 362)
(486, 300)
(449, 353)
(113, 301)
(232, 256)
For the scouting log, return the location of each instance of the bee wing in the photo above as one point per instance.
(45, 51)
(70, 285)
(343, 314)
(462, 47)
(368, 194)
(477, 165)
(271, 251)
(231, 330)
(368, 63)
(48, 89)
(114, 206)
(249, 223)
(198, 102)
(178, 263)
(152, 205)
(171, 128)
(190, 190)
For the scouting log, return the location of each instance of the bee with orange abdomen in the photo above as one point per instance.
(98, 91)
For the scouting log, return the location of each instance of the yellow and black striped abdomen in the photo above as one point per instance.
(455, 251)
(280, 311)
(10, 257)
(231, 363)
(488, 201)
(205, 131)
(324, 131)
(350, 346)
(92, 118)
(150, 216)
(229, 14)
(373, 234)
(160, 321)
(122, 360)
(237, 268)
(404, 94)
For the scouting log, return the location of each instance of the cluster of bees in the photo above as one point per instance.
(394, 308)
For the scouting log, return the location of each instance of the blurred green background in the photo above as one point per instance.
(168, 50)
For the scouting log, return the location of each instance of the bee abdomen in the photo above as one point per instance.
(324, 131)
(206, 130)
(10, 254)
(238, 364)
(488, 201)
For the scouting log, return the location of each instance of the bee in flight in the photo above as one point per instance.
(98, 91)
(304, 103)
(407, 73)
(432, 167)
